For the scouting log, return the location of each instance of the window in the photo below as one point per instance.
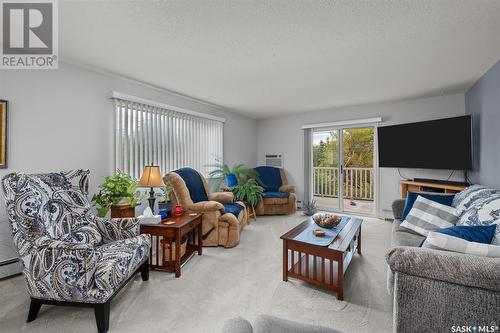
(149, 132)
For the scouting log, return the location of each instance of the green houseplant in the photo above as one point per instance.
(119, 189)
(164, 202)
(310, 207)
(248, 191)
(221, 171)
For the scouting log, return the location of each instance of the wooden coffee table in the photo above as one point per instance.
(168, 234)
(323, 266)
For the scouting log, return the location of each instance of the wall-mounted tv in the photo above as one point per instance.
(436, 144)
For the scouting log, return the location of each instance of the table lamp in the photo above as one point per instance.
(151, 178)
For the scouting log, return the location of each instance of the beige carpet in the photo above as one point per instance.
(224, 283)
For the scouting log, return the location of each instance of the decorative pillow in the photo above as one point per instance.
(444, 199)
(471, 196)
(484, 211)
(427, 215)
(479, 234)
(441, 241)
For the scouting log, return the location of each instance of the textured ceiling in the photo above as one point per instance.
(268, 58)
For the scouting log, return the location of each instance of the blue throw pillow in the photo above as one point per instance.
(478, 234)
(444, 199)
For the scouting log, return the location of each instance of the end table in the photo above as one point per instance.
(168, 235)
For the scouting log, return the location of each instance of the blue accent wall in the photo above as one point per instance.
(482, 101)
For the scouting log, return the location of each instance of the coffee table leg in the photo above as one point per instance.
(285, 261)
(177, 253)
(359, 241)
(340, 280)
(200, 240)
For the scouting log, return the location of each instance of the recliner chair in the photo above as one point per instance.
(278, 197)
(68, 255)
(223, 219)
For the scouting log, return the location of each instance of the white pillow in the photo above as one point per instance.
(427, 215)
(439, 241)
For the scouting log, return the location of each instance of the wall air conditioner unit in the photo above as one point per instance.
(274, 160)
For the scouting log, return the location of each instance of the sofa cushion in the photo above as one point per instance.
(270, 178)
(444, 199)
(233, 208)
(272, 194)
(473, 195)
(441, 241)
(194, 183)
(479, 234)
(404, 237)
(118, 260)
(427, 215)
(483, 211)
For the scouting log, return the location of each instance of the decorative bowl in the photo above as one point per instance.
(326, 220)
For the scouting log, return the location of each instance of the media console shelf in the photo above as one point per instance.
(412, 186)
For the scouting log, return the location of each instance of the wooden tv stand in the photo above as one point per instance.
(411, 186)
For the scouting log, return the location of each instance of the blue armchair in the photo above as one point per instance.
(278, 197)
(68, 255)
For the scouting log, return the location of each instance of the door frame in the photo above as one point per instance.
(340, 127)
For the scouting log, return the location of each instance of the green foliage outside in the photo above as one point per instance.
(357, 152)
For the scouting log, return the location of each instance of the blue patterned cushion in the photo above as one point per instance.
(471, 196)
(194, 183)
(233, 208)
(272, 194)
(270, 178)
(483, 211)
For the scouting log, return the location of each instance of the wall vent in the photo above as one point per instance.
(274, 160)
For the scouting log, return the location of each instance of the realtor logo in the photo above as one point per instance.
(29, 38)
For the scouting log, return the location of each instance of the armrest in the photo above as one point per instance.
(206, 206)
(457, 268)
(398, 207)
(79, 262)
(222, 197)
(117, 228)
(287, 188)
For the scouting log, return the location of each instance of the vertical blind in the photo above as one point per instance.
(148, 134)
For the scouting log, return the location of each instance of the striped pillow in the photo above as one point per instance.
(427, 215)
(439, 241)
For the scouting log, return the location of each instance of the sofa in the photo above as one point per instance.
(278, 197)
(436, 290)
(223, 218)
(68, 255)
(271, 324)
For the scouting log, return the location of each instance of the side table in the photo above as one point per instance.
(168, 235)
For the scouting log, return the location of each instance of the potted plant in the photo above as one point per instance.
(310, 207)
(248, 191)
(164, 202)
(118, 192)
(232, 175)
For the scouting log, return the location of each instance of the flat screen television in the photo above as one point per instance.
(436, 144)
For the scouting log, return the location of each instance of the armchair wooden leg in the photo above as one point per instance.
(102, 317)
(145, 270)
(34, 308)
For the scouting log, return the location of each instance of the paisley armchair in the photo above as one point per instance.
(68, 255)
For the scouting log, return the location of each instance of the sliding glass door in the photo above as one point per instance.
(343, 169)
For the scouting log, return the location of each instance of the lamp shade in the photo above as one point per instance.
(151, 177)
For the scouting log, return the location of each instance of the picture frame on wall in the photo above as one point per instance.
(4, 106)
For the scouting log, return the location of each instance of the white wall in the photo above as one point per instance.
(284, 135)
(63, 119)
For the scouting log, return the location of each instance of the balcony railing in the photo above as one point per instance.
(358, 182)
